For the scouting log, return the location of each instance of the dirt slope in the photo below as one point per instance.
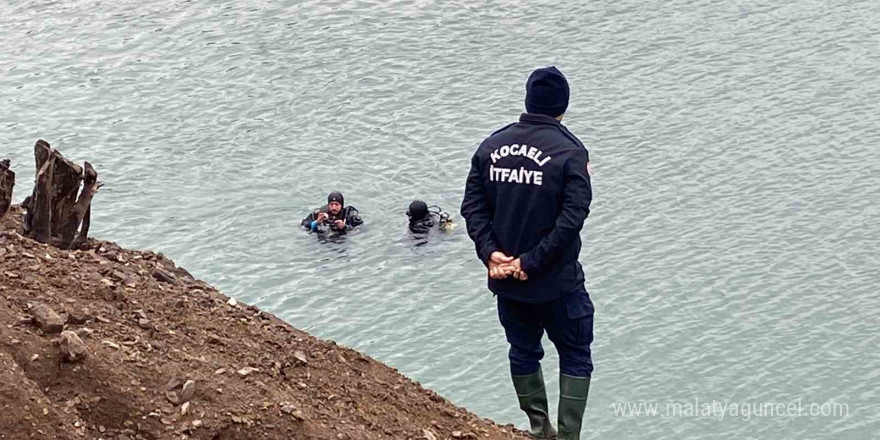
(170, 357)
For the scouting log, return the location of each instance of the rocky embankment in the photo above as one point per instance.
(104, 342)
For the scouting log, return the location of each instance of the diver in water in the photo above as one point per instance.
(424, 218)
(334, 216)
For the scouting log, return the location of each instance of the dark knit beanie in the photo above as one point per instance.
(547, 92)
(418, 210)
(336, 196)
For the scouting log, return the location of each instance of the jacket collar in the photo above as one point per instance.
(535, 118)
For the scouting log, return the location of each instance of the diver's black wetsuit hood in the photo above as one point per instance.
(336, 196)
(417, 210)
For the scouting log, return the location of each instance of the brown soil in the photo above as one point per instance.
(149, 328)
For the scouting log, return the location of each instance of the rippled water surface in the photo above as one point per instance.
(732, 251)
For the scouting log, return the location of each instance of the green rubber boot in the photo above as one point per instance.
(573, 392)
(532, 398)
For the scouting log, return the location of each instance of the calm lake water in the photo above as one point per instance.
(731, 253)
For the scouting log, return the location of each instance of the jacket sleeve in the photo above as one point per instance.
(576, 198)
(477, 215)
(352, 218)
(306, 222)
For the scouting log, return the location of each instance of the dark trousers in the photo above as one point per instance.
(569, 325)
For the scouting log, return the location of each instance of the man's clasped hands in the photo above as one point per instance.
(502, 266)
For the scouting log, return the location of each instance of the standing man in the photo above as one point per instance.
(527, 196)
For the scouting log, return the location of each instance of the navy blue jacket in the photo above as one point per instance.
(527, 195)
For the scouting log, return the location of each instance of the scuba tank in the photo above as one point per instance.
(445, 222)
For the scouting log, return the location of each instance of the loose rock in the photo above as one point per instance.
(189, 389)
(172, 397)
(300, 356)
(247, 371)
(164, 276)
(173, 384)
(47, 319)
(73, 349)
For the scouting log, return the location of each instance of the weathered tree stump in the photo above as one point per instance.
(7, 181)
(76, 214)
(65, 186)
(54, 213)
(41, 228)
